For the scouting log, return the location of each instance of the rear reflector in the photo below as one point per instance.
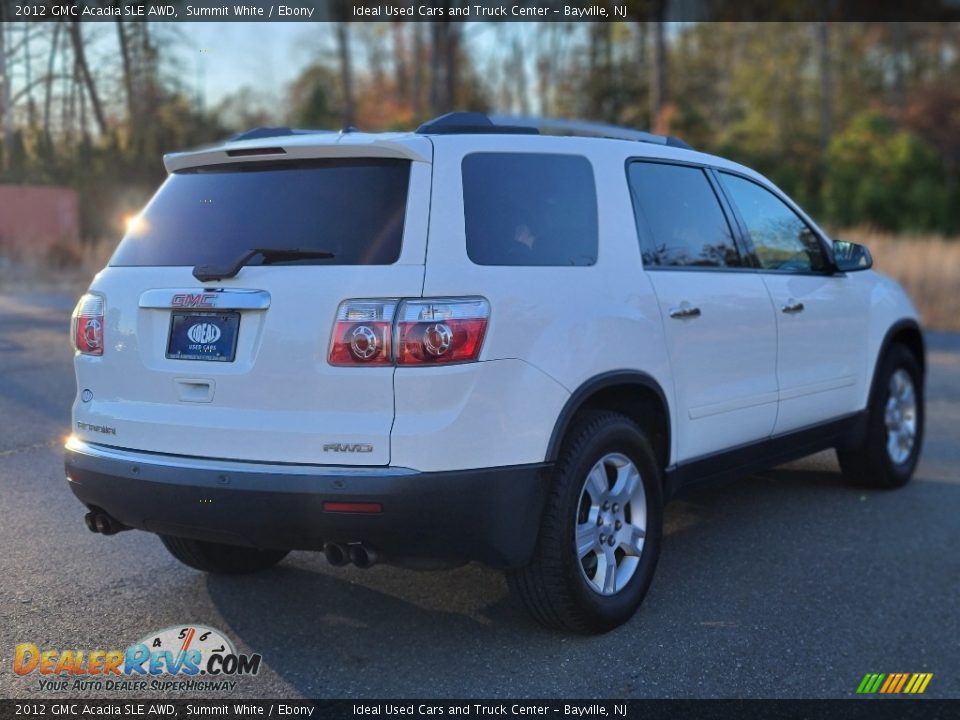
(353, 507)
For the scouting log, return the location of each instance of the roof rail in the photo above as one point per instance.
(588, 128)
(470, 123)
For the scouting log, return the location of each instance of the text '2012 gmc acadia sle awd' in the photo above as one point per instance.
(474, 342)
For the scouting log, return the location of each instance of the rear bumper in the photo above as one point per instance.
(490, 515)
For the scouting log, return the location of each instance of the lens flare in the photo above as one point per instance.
(135, 224)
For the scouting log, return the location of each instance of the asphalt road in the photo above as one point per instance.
(784, 584)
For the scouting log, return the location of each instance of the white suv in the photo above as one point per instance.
(474, 342)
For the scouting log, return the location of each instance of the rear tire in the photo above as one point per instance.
(221, 559)
(607, 484)
(891, 445)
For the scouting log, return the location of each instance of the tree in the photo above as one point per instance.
(825, 69)
(5, 97)
(658, 68)
(312, 101)
(346, 72)
(879, 174)
(442, 78)
(83, 68)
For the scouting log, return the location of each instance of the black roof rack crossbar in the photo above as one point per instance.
(471, 123)
(467, 123)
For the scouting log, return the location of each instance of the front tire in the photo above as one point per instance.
(890, 450)
(219, 559)
(600, 533)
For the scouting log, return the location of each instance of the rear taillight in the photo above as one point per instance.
(409, 332)
(440, 331)
(363, 333)
(86, 327)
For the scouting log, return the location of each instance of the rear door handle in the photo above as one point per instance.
(684, 311)
(792, 306)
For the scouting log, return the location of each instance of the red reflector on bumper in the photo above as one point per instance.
(353, 507)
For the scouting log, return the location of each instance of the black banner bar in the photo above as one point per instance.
(480, 10)
(900, 708)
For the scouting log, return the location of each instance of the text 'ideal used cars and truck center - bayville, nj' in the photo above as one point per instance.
(490, 12)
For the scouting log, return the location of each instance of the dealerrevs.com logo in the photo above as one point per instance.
(186, 658)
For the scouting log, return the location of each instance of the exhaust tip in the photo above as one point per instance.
(97, 521)
(362, 556)
(336, 554)
(104, 526)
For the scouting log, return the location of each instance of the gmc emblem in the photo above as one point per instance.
(348, 447)
(191, 300)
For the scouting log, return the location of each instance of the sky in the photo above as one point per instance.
(218, 59)
(266, 56)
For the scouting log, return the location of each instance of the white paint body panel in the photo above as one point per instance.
(887, 303)
(740, 372)
(464, 416)
(280, 400)
(724, 361)
(822, 350)
(571, 323)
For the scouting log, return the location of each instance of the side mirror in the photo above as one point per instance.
(851, 256)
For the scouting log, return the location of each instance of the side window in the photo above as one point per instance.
(781, 239)
(680, 220)
(529, 209)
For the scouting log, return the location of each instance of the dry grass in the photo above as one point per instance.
(927, 266)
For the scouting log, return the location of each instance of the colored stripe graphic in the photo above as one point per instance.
(871, 683)
(891, 682)
(903, 680)
(918, 683)
(894, 683)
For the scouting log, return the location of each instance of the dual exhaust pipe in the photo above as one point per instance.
(97, 521)
(337, 554)
(362, 556)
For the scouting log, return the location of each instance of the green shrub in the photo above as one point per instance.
(879, 175)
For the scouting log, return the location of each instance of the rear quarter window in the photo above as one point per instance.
(529, 209)
(353, 208)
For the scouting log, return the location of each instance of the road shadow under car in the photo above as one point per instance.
(755, 575)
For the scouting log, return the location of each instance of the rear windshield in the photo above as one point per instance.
(212, 215)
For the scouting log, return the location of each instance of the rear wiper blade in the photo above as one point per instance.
(214, 272)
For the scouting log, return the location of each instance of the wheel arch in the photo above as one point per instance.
(633, 393)
(906, 332)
